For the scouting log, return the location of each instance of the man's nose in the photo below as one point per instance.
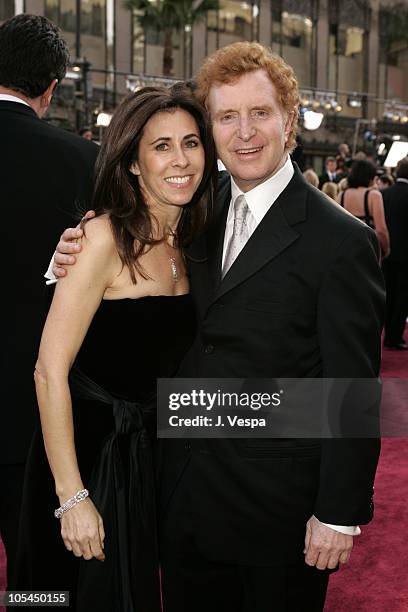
(246, 128)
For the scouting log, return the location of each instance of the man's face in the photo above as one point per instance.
(331, 165)
(250, 128)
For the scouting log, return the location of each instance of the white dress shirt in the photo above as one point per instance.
(7, 98)
(259, 201)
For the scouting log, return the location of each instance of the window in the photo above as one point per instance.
(349, 22)
(293, 36)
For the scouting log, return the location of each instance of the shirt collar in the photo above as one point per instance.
(261, 197)
(402, 180)
(7, 98)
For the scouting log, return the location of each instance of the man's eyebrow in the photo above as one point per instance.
(225, 111)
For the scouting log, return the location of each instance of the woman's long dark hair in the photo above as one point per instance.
(362, 173)
(117, 191)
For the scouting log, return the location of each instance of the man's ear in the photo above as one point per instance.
(46, 97)
(134, 169)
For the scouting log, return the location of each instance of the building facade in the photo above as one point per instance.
(350, 57)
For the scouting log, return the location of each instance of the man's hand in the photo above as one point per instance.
(67, 246)
(325, 547)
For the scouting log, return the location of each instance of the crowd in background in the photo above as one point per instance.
(378, 196)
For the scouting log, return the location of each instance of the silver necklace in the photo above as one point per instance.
(174, 271)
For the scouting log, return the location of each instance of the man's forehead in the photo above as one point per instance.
(260, 93)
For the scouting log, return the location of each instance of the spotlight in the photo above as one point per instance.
(316, 104)
(312, 120)
(354, 101)
(328, 105)
(103, 119)
(338, 108)
(404, 118)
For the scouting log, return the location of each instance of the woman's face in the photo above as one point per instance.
(170, 162)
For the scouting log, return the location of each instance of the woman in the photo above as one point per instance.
(365, 202)
(311, 177)
(122, 319)
(330, 189)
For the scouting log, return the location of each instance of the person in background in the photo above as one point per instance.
(330, 172)
(384, 181)
(85, 132)
(331, 190)
(344, 151)
(343, 159)
(396, 265)
(45, 178)
(311, 177)
(365, 202)
(342, 186)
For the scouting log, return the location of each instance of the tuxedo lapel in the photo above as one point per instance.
(216, 233)
(274, 234)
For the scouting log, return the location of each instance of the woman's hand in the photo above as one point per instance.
(82, 531)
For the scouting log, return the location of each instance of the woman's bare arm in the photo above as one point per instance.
(75, 302)
(377, 207)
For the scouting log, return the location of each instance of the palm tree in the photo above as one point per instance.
(168, 16)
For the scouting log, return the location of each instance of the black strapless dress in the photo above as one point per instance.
(129, 345)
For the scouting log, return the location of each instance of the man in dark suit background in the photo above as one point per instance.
(286, 285)
(45, 174)
(329, 175)
(395, 266)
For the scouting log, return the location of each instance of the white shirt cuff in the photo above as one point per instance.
(49, 275)
(347, 530)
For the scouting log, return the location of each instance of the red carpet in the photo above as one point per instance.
(376, 578)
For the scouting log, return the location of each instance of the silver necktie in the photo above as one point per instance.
(240, 233)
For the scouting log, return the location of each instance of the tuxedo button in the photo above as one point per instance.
(208, 349)
(187, 446)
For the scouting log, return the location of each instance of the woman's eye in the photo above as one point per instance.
(192, 144)
(162, 146)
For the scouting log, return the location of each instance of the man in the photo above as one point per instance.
(45, 174)
(329, 175)
(256, 524)
(85, 132)
(395, 266)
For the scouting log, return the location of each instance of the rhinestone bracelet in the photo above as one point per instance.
(71, 502)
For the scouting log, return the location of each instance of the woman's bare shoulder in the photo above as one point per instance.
(376, 195)
(98, 233)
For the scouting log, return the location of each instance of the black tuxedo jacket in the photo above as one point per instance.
(324, 178)
(304, 298)
(396, 216)
(45, 178)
